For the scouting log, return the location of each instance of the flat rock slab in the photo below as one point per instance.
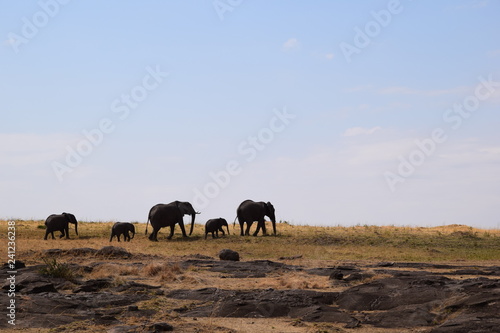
(48, 310)
(241, 269)
(305, 304)
(106, 251)
(409, 299)
(412, 296)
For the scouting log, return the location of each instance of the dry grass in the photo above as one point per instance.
(316, 246)
(439, 244)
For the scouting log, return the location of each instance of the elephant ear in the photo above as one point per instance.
(70, 218)
(186, 208)
(73, 219)
(269, 207)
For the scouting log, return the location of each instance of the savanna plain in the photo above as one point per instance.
(304, 279)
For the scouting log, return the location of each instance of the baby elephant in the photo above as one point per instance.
(214, 226)
(122, 228)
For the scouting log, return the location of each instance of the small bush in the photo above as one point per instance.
(55, 269)
(165, 272)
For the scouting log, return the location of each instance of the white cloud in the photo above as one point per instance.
(402, 90)
(355, 131)
(329, 56)
(10, 41)
(494, 53)
(474, 4)
(360, 88)
(291, 43)
(24, 149)
(346, 186)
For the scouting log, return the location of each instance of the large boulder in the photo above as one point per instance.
(227, 254)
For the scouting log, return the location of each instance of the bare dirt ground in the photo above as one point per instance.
(113, 290)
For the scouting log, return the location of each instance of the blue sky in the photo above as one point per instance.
(338, 112)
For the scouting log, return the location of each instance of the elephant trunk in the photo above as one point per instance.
(192, 223)
(76, 227)
(273, 220)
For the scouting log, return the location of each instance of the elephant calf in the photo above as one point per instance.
(122, 228)
(214, 226)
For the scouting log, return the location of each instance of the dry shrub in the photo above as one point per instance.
(113, 270)
(56, 269)
(165, 272)
(300, 281)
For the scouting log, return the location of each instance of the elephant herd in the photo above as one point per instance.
(168, 215)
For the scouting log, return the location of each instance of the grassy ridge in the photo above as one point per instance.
(439, 244)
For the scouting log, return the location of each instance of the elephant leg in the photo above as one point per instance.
(259, 225)
(241, 226)
(222, 230)
(181, 224)
(111, 238)
(264, 231)
(206, 234)
(46, 235)
(172, 232)
(154, 235)
(52, 233)
(249, 225)
(257, 230)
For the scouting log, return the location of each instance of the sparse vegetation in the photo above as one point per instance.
(56, 269)
(438, 244)
(163, 264)
(165, 272)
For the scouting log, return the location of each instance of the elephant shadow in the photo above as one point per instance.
(85, 237)
(193, 238)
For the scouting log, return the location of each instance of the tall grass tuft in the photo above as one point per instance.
(55, 269)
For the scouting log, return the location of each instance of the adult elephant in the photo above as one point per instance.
(60, 222)
(250, 211)
(122, 228)
(167, 215)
